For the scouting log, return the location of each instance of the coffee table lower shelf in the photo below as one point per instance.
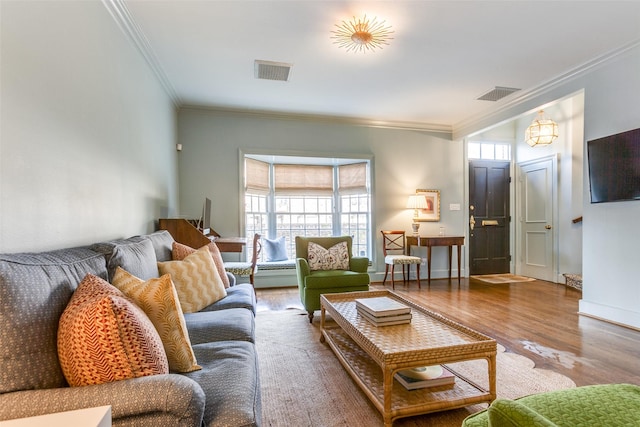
(404, 403)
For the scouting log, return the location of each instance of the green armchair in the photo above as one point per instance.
(314, 282)
(610, 405)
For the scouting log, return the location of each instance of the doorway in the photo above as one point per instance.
(537, 186)
(489, 218)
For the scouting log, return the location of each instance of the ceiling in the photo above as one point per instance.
(443, 55)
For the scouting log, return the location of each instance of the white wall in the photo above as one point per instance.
(87, 132)
(403, 161)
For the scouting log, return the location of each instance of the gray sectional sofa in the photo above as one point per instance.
(34, 291)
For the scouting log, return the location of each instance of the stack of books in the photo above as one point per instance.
(383, 311)
(425, 376)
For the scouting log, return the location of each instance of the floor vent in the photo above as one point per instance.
(269, 70)
(497, 93)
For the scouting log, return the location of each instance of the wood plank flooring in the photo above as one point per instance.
(536, 319)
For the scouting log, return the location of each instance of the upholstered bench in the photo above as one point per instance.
(608, 405)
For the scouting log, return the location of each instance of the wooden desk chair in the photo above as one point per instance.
(393, 248)
(248, 268)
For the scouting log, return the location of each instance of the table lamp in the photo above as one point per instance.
(416, 202)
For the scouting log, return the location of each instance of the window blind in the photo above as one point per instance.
(256, 176)
(303, 179)
(352, 178)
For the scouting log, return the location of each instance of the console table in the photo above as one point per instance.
(430, 241)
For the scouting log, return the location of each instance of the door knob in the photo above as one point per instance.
(472, 222)
(548, 227)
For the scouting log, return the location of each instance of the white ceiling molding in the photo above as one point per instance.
(382, 124)
(121, 15)
(473, 124)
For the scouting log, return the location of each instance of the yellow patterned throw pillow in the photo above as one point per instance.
(180, 252)
(196, 279)
(159, 300)
(104, 337)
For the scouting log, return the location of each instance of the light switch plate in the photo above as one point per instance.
(454, 207)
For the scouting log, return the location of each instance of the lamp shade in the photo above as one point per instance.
(542, 131)
(416, 202)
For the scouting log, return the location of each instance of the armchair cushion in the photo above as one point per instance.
(334, 258)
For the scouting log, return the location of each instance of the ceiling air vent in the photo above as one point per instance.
(497, 93)
(270, 70)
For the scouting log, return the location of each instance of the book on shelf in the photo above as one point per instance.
(425, 376)
(382, 306)
(398, 319)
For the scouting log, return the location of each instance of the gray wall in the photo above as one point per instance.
(87, 143)
(403, 161)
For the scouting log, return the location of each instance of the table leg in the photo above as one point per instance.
(459, 253)
(429, 265)
(322, 316)
(450, 252)
(387, 383)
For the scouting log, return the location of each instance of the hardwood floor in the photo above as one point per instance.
(537, 319)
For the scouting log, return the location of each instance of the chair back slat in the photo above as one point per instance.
(393, 242)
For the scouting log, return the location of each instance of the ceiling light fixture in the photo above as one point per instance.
(362, 34)
(542, 131)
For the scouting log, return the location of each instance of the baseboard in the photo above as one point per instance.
(610, 314)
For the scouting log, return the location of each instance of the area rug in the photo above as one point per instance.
(304, 384)
(502, 278)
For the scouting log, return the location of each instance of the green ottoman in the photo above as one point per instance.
(608, 405)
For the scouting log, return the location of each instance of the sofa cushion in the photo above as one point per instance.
(334, 258)
(231, 383)
(105, 337)
(159, 300)
(180, 252)
(34, 291)
(232, 324)
(162, 242)
(135, 254)
(196, 279)
(238, 296)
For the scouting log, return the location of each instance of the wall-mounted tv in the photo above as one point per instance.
(614, 167)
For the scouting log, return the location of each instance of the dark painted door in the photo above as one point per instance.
(489, 250)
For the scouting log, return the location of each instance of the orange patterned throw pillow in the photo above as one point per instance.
(180, 252)
(196, 279)
(159, 300)
(104, 337)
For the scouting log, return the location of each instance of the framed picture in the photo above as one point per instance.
(432, 211)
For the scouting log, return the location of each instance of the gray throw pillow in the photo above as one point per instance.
(275, 249)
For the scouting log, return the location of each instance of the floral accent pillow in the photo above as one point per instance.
(334, 258)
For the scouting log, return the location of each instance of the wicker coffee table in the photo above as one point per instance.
(372, 355)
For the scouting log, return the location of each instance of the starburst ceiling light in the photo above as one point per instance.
(542, 131)
(362, 34)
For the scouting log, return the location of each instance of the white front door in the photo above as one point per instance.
(537, 206)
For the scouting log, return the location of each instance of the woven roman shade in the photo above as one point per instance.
(256, 176)
(352, 179)
(303, 179)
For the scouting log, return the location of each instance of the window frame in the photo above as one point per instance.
(337, 199)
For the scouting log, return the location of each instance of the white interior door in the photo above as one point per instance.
(537, 207)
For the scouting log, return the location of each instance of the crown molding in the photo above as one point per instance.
(120, 13)
(475, 123)
(319, 118)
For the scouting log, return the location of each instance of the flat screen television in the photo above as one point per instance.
(614, 167)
